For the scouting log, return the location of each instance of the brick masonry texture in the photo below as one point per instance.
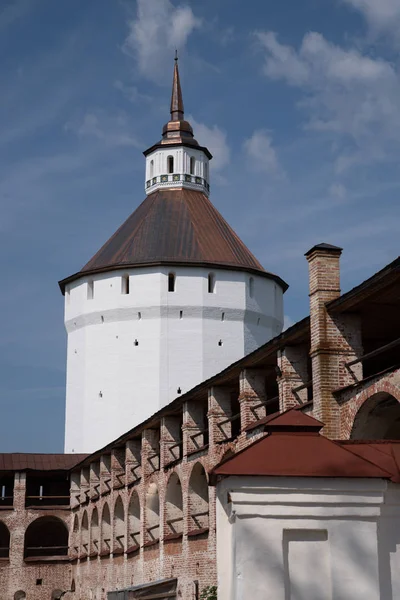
(143, 510)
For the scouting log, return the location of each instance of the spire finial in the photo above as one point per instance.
(176, 96)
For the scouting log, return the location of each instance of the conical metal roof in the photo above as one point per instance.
(174, 227)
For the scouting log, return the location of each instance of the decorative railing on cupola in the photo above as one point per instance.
(176, 180)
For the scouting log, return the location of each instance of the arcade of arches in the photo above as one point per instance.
(377, 419)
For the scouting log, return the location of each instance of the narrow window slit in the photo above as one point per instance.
(251, 287)
(90, 290)
(211, 283)
(171, 282)
(125, 284)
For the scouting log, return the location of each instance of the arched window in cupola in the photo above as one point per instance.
(205, 170)
(170, 164)
(192, 165)
(151, 169)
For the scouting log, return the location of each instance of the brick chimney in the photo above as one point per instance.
(335, 337)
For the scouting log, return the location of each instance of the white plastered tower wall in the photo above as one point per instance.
(133, 344)
(130, 354)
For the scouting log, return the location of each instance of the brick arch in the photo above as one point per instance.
(134, 520)
(46, 536)
(84, 531)
(94, 531)
(105, 530)
(4, 540)
(152, 511)
(74, 536)
(350, 410)
(119, 521)
(173, 505)
(198, 498)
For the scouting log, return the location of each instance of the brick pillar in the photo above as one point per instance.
(17, 531)
(194, 422)
(150, 451)
(251, 393)
(75, 488)
(219, 409)
(335, 338)
(170, 436)
(105, 474)
(118, 468)
(292, 362)
(94, 480)
(133, 461)
(85, 485)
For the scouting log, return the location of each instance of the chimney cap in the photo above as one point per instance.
(325, 248)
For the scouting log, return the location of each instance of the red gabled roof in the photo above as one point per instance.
(170, 227)
(383, 453)
(294, 448)
(291, 419)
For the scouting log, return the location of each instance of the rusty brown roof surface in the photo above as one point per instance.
(174, 227)
(384, 453)
(373, 285)
(295, 448)
(39, 462)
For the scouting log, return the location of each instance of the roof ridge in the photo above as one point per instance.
(360, 457)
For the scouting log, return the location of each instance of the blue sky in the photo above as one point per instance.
(298, 102)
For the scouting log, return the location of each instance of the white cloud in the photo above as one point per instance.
(131, 92)
(226, 35)
(381, 15)
(112, 130)
(159, 28)
(337, 191)
(282, 61)
(215, 140)
(349, 97)
(261, 154)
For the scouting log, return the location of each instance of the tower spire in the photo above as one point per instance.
(177, 160)
(176, 109)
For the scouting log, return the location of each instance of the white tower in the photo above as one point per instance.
(171, 299)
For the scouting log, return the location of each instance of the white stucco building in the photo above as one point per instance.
(300, 517)
(170, 300)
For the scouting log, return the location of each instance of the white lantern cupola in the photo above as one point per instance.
(177, 160)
